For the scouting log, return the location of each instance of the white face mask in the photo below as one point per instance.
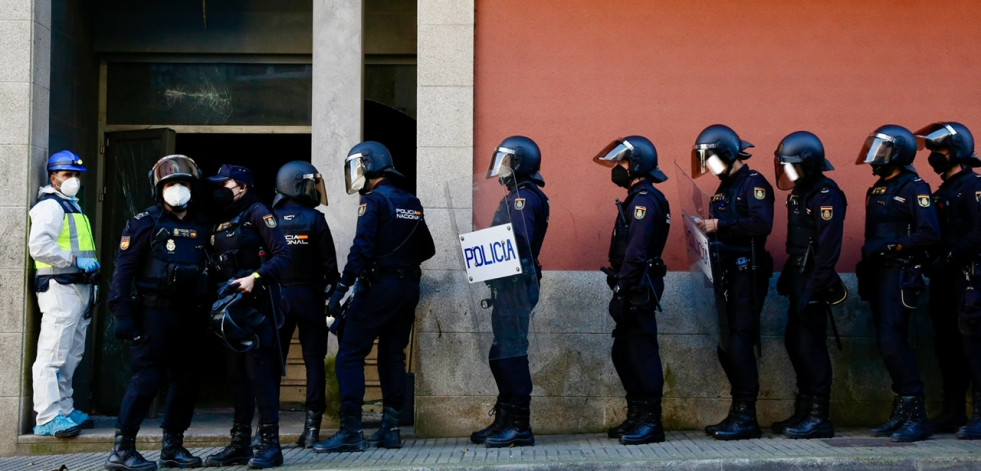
(716, 165)
(70, 186)
(790, 170)
(177, 195)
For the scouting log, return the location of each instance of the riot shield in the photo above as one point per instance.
(495, 254)
(703, 256)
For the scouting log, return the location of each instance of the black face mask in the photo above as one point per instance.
(620, 177)
(882, 170)
(938, 161)
(223, 197)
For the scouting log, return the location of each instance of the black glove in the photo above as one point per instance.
(879, 247)
(611, 276)
(125, 328)
(334, 305)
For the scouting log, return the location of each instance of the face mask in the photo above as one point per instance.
(790, 170)
(70, 186)
(620, 177)
(177, 196)
(938, 161)
(223, 197)
(716, 165)
(882, 170)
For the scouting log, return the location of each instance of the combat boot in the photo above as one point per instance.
(972, 430)
(915, 426)
(174, 455)
(479, 436)
(815, 424)
(311, 430)
(951, 416)
(238, 451)
(895, 420)
(516, 428)
(742, 425)
(388, 434)
(648, 428)
(267, 453)
(628, 424)
(802, 406)
(124, 455)
(726, 422)
(349, 438)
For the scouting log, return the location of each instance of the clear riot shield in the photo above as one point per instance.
(708, 294)
(496, 255)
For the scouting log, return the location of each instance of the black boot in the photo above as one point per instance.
(972, 430)
(388, 434)
(648, 428)
(742, 425)
(816, 424)
(895, 420)
(124, 455)
(726, 422)
(238, 451)
(633, 417)
(479, 436)
(516, 428)
(915, 426)
(311, 430)
(951, 417)
(349, 438)
(174, 455)
(267, 453)
(802, 406)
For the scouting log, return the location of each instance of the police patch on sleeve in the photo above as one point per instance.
(640, 212)
(519, 203)
(759, 192)
(362, 209)
(270, 221)
(124, 243)
(923, 200)
(827, 212)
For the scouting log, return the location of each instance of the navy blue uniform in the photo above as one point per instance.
(639, 235)
(815, 224)
(390, 243)
(313, 265)
(165, 259)
(251, 242)
(957, 203)
(743, 204)
(527, 209)
(900, 225)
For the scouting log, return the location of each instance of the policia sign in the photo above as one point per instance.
(490, 253)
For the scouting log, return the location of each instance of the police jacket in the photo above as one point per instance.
(391, 233)
(313, 260)
(162, 257)
(899, 213)
(958, 202)
(815, 224)
(526, 207)
(639, 235)
(249, 240)
(743, 204)
(59, 233)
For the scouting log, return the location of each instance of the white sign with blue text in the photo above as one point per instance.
(490, 253)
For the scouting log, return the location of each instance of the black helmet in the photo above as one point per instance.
(717, 140)
(302, 182)
(889, 146)
(367, 160)
(638, 151)
(173, 168)
(955, 137)
(799, 156)
(518, 155)
(234, 319)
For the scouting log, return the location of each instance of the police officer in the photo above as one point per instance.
(516, 163)
(953, 269)
(637, 280)
(251, 255)
(63, 250)
(742, 218)
(900, 226)
(815, 223)
(390, 242)
(311, 274)
(162, 253)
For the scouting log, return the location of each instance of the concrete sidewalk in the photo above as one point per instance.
(686, 450)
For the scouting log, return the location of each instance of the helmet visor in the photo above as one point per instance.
(614, 152)
(700, 154)
(502, 165)
(878, 150)
(172, 167)
(933, 136)
(787, 173)
(313, 188)
(354, 178)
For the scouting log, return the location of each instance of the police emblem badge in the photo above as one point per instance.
(362, 209)
(640, 212)
(171, 246)
(827, 212)
(270, 221)
(519, 203)
(759, 192)
(923, 200)
(124, 243)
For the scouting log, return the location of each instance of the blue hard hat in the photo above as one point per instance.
(65, 160)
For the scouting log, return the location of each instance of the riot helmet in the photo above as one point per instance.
(517, 158)
(715, 150)
(638, 151)
(888, 147)
(234, 320)
(302, 182)
(65, 160)
(174, 168)
(367, 160)
(952, 136)
(799, 156)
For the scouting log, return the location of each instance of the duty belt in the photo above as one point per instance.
(166, 302)
(401, 273)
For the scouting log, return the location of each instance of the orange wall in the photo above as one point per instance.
(576, 74)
